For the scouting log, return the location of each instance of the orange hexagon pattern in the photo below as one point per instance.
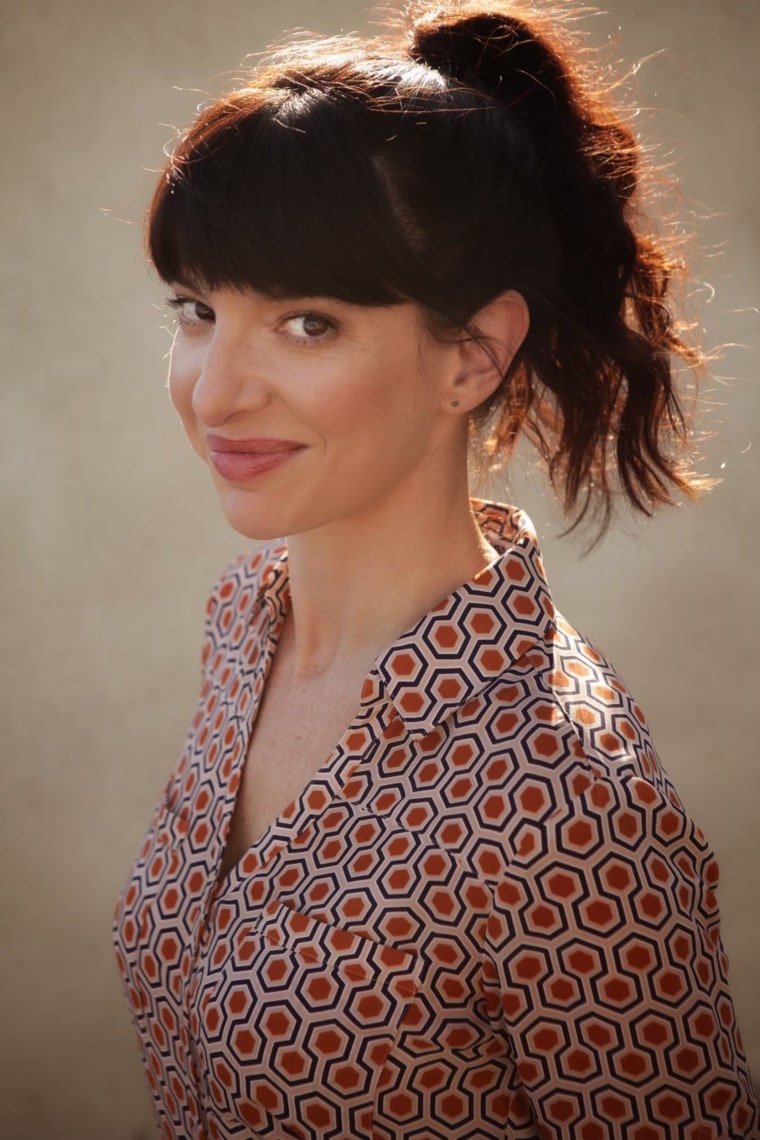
(487, 916)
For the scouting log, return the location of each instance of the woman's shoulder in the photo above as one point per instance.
(564, 713)
(586, 688)
(569, 770)
(576, 705)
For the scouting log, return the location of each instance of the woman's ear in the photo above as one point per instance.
(500, 327)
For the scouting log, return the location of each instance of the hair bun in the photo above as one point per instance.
(495, 52)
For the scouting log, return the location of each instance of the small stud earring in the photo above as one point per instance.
(455, 403)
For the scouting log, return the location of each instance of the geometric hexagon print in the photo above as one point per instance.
(486, 916)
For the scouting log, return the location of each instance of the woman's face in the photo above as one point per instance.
(310, 411)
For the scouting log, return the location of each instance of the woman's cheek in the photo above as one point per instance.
(180, 392)
(181, 385)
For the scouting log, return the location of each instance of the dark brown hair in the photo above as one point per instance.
(468, 155)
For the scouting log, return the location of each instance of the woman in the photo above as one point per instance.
(419, 872)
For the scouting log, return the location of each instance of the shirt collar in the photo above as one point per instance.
(274, 589)
(468, 640)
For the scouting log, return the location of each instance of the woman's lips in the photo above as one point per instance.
(240, 460)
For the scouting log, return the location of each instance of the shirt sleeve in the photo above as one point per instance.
(607, 980)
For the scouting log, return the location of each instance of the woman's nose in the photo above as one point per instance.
(228, 384)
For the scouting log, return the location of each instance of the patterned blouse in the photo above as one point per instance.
(487, 915)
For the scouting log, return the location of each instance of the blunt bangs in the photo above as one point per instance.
(276, 191)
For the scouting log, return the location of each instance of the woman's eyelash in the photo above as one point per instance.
(177, 304)
(328, 326)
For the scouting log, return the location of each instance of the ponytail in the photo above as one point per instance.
(602, 352)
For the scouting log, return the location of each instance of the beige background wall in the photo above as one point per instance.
(110, 534)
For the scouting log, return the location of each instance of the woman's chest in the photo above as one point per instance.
(297, 728)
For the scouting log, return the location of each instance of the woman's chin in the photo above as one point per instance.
(253, 520)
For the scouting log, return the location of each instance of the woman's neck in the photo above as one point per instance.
(358, 584)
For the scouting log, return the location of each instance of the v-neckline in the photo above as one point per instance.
(318, 791)
(356, 745)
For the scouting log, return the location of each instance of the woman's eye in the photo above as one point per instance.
(189, 311)
(309, 326)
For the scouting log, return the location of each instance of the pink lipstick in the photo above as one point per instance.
(240, 460)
